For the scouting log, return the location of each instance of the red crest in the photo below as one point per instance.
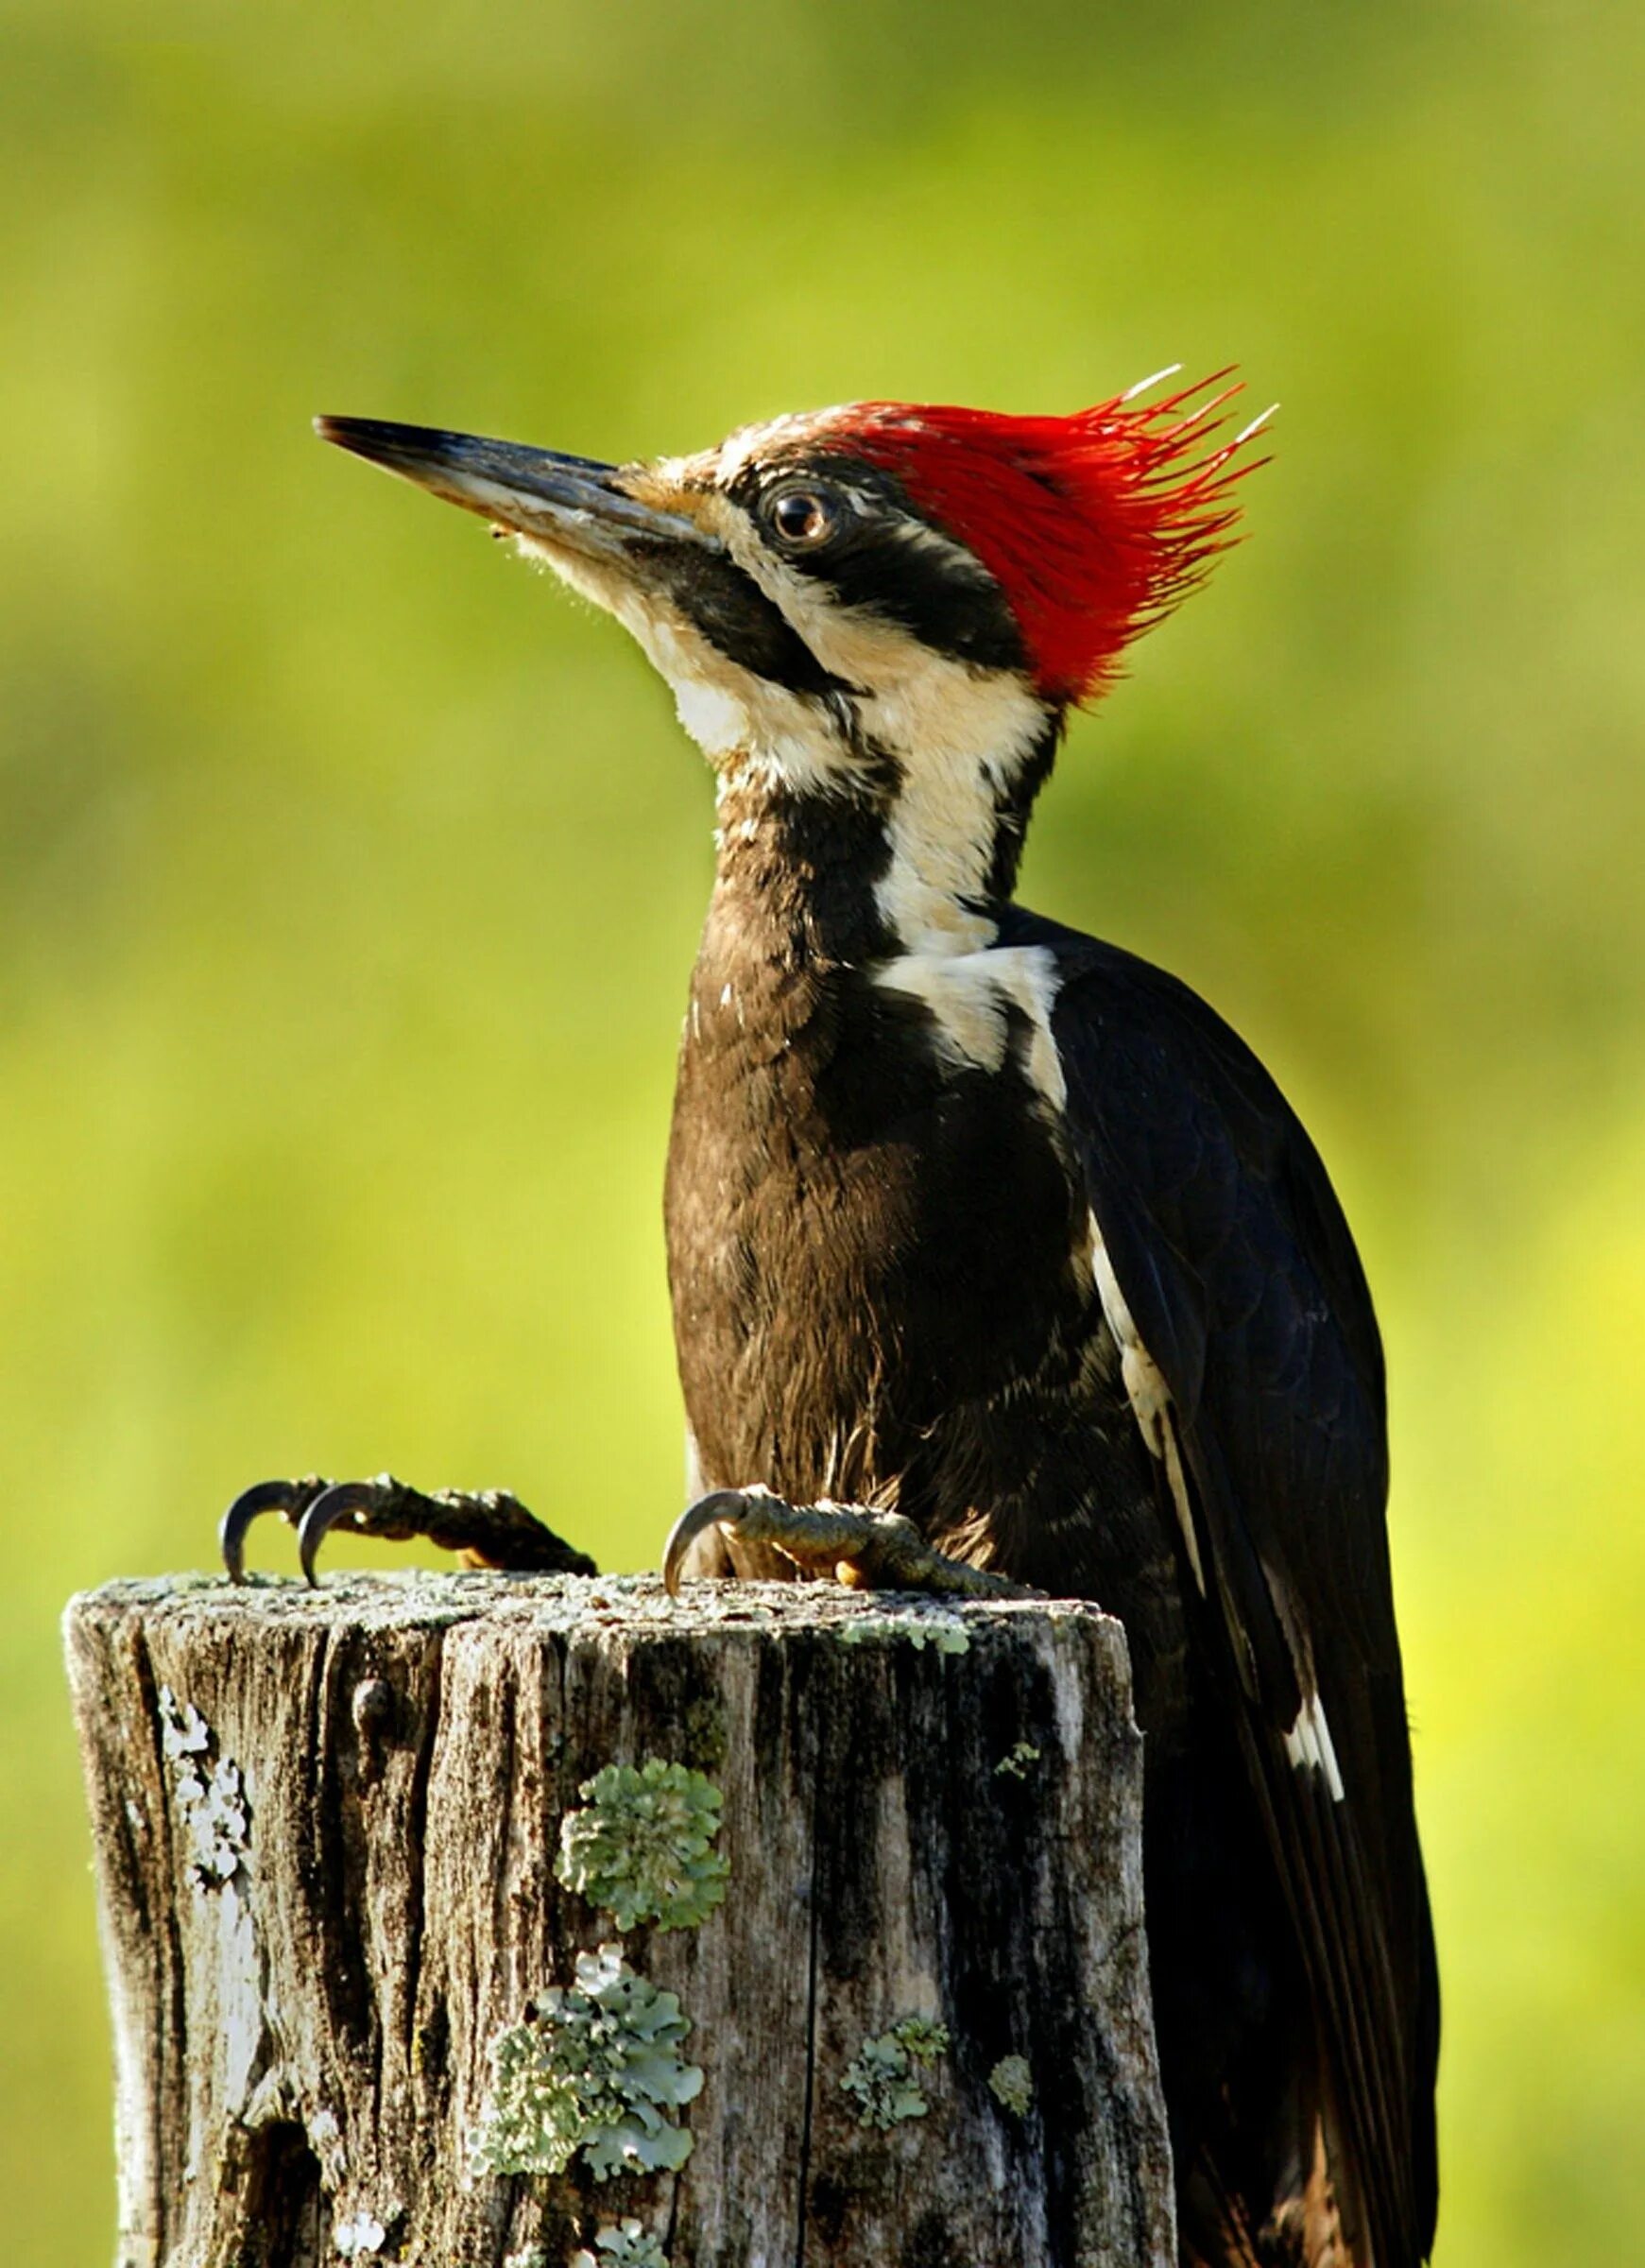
(1093, 525)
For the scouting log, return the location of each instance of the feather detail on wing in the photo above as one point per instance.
(1236, 1277)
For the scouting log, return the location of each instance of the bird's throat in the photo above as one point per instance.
(883, 855)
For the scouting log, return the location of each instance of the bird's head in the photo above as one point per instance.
(879, 602)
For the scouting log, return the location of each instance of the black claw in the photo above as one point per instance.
(291, 1499)
(332, 1506)
(492, 1527)
(721, 1503)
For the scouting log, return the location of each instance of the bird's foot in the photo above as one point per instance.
(868, 1550)
(488, 1527)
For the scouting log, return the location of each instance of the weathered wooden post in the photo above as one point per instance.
(463, 1921)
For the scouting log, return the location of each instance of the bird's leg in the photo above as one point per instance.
(868, 1550)
(488, 1527)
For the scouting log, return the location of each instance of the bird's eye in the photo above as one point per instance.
(802, 518)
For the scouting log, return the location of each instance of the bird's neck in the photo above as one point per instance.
(907, 858)
(795, 876)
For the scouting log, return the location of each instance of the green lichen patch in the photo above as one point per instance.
(1017, 1763)
(595, 2066)
(1011, 2083)
(642, 1845)
(885, 2075)
(628, 2245)
(946, 1632)
(925, 2038)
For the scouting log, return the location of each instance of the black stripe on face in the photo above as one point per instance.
(1013, 809)
(734, 615)
(876, 561)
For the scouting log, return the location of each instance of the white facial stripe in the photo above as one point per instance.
(859, 647)
(970, 994)
(1310, 1747)
(960, 735)
(971, 730)
(1148, 1394)
(729, 711)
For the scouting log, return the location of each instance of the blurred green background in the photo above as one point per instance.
(349, 876)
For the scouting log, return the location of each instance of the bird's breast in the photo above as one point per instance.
(869, 1229)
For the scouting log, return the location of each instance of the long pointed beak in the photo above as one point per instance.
(571, 502)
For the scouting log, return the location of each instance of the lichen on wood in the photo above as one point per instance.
(641, 1845)
(1011, 2083)
(410, 1889)
(629, 2246)
(885, 2077)
(593, 2066)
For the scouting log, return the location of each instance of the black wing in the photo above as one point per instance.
(1232, 1255)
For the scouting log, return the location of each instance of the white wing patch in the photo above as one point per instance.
(1148, 1394)
(969, 996)
(1310, 1747)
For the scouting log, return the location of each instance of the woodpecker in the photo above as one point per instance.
(996, 1257)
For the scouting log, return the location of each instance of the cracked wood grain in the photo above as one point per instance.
(325, 1824)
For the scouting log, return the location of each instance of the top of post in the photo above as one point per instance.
(636, 1605)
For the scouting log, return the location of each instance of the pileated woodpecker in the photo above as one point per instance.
(994, 1253)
